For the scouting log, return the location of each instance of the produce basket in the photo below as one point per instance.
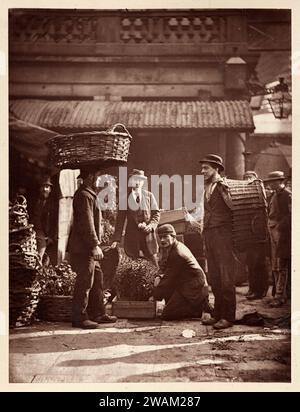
(57, 285)
(91, 149)
(55, 308)
(132, 279)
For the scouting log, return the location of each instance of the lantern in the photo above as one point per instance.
(281, 100)
(235, 73)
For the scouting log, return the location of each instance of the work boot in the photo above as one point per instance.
(106, 319)
(85, 324)
(276, 303)
(254, 296)
(210, 321)
(222, 324)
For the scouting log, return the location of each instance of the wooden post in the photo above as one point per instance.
(68, 186)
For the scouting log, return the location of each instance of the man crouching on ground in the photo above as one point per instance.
(86, 254)
(183, 284)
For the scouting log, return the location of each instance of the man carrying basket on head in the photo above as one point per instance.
(86, 254)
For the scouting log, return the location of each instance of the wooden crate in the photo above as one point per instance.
(176, 218)
(134, 309)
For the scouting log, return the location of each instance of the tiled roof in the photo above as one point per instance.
(72, 114)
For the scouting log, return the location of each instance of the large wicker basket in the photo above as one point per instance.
(131, 279)
(88, 149)
(249, 213)
(55, 308)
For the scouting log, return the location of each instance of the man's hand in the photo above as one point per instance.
(148, 229)
(97, 253)
(157, 281)
(145, 228)
(114, 245)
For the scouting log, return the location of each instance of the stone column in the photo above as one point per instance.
(235, 161)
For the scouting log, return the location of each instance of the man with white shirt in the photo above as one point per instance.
(142, 217)
(217, 231)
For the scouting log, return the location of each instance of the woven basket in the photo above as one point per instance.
(18, 215)
(24, 291)
(132, 279)
(55, 308)
(249, 213)
(100, 149)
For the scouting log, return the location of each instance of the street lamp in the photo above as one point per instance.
(281, 100)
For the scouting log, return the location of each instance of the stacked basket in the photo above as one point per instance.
(24, 264)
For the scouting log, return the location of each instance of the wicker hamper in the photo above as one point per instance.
(55, 308)
(249, 213)
(131, 279)
(102, 149)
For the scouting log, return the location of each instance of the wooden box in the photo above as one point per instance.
(126, 309)
(176, 218)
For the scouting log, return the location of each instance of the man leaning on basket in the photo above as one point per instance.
(85, 255)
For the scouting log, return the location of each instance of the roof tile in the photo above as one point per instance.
(93, 115)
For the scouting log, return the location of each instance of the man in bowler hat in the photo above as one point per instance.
(279, 224)
(217, 231)
(85, 251)
(142, 218)
(183, 283)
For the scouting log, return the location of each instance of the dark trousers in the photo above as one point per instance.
(220, 261)
(88, 290)
(177, 307)
(257, 269)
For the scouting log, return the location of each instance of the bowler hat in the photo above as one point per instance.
(213, 159)
(138, 173)
(276, 175)
(84, 172)
(166, 229)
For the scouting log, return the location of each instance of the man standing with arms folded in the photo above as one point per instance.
(217, 231)
(86, 254)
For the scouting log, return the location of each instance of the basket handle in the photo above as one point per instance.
(113, 128)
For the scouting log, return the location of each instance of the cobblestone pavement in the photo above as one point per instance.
(156, 351)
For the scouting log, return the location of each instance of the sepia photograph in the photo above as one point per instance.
(150, 195)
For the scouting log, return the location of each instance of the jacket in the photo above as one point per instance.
(182, 273)
(135, 240)
(279, 221)
(86, 228)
